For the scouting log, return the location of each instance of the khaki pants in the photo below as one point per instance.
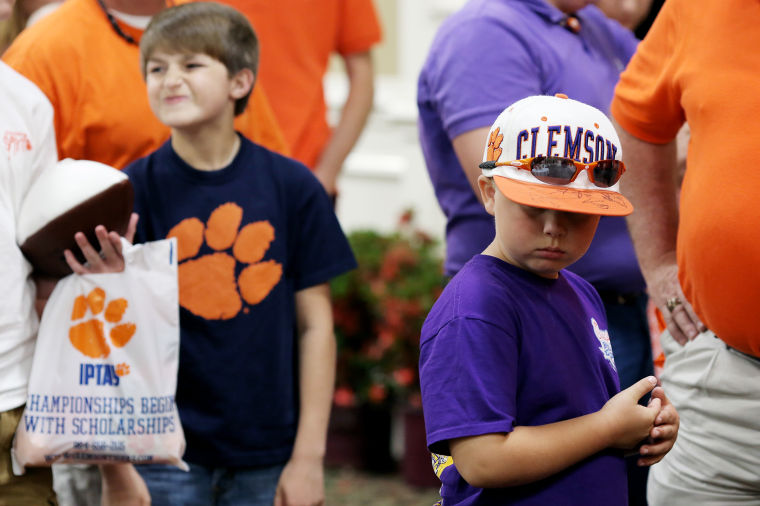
(34, 488)
(716, 458)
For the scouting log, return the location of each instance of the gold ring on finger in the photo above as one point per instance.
(672, 303)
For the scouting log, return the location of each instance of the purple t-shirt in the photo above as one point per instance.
(490, 54)
(503, 347)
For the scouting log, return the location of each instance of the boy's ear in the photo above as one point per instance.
(487, 193)
(241, 84)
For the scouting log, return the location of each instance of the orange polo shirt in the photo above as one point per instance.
(92, 77)
(700, 65)
(296, 40)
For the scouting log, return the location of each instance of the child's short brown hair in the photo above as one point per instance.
(209, 28)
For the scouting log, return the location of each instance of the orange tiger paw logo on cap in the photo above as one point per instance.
(494, 145)
(89, 336)
(208, 285)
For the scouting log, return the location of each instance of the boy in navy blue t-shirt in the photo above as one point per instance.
(519, 386)
(258, 242)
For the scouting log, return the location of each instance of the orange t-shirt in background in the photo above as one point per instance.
(93, 79)
(296, 43)
(699, 64)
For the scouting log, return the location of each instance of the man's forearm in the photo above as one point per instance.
(650, 185)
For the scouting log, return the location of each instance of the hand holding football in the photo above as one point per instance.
(74, 196)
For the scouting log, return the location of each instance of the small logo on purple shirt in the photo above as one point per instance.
(604, 340)
(440, 462)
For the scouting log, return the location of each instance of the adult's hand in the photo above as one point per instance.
(665, 291)
(650, 183)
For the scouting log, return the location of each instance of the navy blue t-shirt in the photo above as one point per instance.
(503, 347)
(249, 237)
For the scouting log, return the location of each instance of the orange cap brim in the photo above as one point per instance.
(564, 198)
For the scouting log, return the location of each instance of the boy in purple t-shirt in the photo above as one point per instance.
(519, 386)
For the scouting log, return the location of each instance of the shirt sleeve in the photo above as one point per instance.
(624, 39)
(40, 136)
(647, 101)
(468, 373)
(321, 250)
(358, 27)
(39, 64)
(136, 172)
(45, 155)
(471, 81)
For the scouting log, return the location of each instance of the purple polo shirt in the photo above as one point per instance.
(490, 54)
(503, 347)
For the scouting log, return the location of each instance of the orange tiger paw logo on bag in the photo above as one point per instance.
(122, 369)
(208, 285)
(89, 336)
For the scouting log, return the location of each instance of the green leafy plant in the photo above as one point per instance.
(379, 309)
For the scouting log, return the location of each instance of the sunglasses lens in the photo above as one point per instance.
(553, 170)
(607, 173)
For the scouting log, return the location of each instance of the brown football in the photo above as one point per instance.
(74, 196)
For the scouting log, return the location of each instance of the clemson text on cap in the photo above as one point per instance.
(592, 146)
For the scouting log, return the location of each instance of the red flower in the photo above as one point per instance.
(375, 350)
(378, 288)
(390, 268)
(394, 318)
(404, 376)
(423, 237)
(379, 309)
(344, 396)
(413, 309)
(386, 338)
(346, 318)
(377, 393)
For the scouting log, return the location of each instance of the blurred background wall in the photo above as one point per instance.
(385, 174)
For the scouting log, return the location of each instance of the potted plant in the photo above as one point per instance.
(378, 311)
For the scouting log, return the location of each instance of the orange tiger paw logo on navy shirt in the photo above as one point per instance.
(208, 284)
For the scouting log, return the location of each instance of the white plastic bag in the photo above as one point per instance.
(105, 368)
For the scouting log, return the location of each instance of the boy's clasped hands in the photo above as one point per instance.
(651, 429)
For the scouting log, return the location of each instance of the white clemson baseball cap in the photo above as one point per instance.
(557, 153)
